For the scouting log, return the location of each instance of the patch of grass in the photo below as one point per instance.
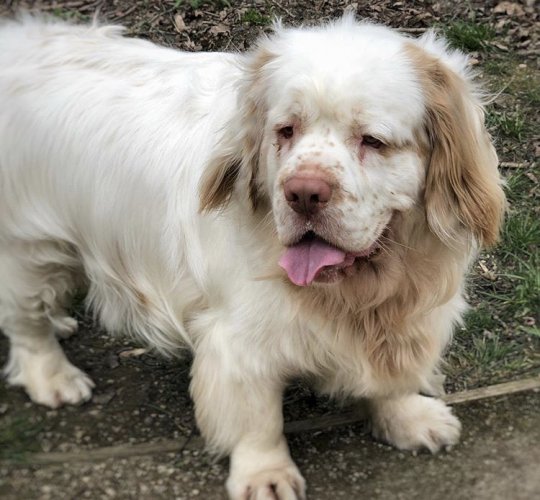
(517, 187)
(484, 353)
(18, 437)
(528, 287)
(514, 298)
(499, 67)
(254, 17)
(480, 353)
(525, 83)
(478, 320)
(524, 297)
(521, 234)
(509, 124)
(489, 350)
(513, 77)
(531, 330)
(469, 36)
(69, 15)
(519, 255)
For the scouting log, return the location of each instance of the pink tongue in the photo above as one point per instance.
(305, 259)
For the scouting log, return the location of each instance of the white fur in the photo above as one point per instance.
(413, 422)
(103, 144)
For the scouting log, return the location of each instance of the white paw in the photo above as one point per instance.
(69, 386)
(65, 326)
(48, 377)
(413, 422)
(283, 483)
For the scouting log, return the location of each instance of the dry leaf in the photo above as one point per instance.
(179, 23)
(219, 28)
(509, 8)
(500, 46)
(133, 353)
(485, 272)
(533, 177)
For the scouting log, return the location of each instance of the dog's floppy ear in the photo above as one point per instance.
(237, 156)
(463, 186)
(220, 176)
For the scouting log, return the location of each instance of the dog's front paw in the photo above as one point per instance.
(413, 422)
(69, 386)
(283, 483)
(65, 326)
(49, 378)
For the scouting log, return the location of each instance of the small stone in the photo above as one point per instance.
(46, 446)
(133, 353)
(112, 360)
(103, 398)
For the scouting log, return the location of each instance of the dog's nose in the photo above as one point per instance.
(307, 195)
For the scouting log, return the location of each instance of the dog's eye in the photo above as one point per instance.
(286, 132)
(371, 141)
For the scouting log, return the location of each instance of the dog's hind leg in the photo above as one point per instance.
(36, 281)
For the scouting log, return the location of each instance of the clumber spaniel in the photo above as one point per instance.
(309, 208)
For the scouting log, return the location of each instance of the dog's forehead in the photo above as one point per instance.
(363, 73)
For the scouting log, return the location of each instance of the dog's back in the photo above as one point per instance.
(86, 115)
(101, 148)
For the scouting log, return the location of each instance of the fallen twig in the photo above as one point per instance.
(512, 164)
(412, 30)
(309, 425)
(119, 451)
(125, 13)
(282, 7)
(66, 5)
(493, 390)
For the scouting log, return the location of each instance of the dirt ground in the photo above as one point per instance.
(497, 459)
(141, 398)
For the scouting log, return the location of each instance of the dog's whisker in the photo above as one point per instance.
(268, 277)
(266, 221)
(394, 242)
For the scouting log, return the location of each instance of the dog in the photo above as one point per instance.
(309, 208)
